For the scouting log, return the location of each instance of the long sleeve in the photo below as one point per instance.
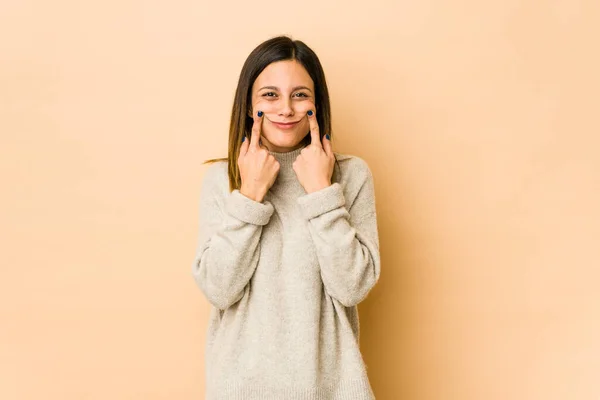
(228, 246)
(346, 238)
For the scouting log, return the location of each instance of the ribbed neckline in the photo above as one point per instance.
(285, 162)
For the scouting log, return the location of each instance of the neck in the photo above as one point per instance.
(286, 159)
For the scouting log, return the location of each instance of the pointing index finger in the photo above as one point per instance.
(315, 136)
(256, 131)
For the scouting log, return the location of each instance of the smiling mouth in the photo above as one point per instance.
(284, 125)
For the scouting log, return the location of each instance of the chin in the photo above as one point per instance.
(285, 146)
(284, 140)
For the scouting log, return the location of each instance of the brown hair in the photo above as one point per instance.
(279, 48)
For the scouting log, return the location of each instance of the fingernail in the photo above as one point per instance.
(260, 113)
(327, 136)
(310, 113)
(243, 138)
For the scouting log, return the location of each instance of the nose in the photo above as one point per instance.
(286, 107)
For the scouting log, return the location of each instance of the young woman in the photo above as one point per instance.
(288, 241)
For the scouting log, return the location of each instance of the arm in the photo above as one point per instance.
(228, 247)
(346, 240)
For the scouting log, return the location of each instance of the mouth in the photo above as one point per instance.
(285, 125)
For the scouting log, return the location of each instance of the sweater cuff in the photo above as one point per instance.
(248, 210)
(317, 203)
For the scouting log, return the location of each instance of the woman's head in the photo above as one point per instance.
(285, 92)
(284, 79)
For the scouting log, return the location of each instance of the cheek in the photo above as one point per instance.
(303, 107)
(304, 126)
(265, 106)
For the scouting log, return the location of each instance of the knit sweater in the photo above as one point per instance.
(284, 277)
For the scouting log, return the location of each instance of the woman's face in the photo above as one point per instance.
(284, 92)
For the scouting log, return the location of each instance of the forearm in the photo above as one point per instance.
(228, 249)
(347, 249)
(225, 263)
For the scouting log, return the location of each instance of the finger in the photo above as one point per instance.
(327, 145)
(256, 131)
(262, 144)
(244, 147)
(315, 137)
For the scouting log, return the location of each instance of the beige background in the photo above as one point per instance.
(478, 119)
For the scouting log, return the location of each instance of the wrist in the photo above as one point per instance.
(317, 187)
(255, 195)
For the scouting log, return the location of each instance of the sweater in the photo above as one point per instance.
(284, 277)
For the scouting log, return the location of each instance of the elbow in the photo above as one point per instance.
(352, 292)
(219, 295)
(352, 296)
(222, 301)
(351, 301)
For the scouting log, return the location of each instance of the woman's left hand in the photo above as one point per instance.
(314, 165)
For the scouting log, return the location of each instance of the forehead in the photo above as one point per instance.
(284, 74)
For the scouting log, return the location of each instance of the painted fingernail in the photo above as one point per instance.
(260, 113)
(327, 136)
(243, 138)
(310, 113)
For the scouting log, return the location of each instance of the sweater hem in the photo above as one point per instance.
(345, 390)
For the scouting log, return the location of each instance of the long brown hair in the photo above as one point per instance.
(279, 48)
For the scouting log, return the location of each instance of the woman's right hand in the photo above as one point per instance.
(258, 168)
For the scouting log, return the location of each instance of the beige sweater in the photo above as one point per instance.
(284, 277)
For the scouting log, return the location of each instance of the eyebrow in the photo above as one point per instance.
(293, 90)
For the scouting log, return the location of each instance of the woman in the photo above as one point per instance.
(288, 241)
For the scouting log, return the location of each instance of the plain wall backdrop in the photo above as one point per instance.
(479, 121)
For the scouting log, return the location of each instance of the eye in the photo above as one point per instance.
(301, 94)
(268, 94)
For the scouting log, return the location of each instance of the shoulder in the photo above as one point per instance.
(216, 169)
(356, 180)
(216, 177)
(353, 168)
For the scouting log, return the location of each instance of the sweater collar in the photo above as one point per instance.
(285, 162)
